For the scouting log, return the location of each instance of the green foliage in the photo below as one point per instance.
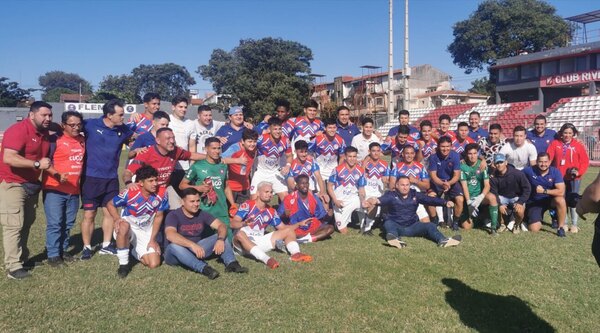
(56, 82)
(257, 73)
(117, 86)
(11, 94)
(168, 80)
(505, 28)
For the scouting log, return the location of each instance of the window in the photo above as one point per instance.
(530, 71)
(581, 64)
(379, 101)
(567, 65)
(598, 61)
(549, 68)
(508, 74)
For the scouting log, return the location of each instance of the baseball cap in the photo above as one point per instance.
(234, 109)
(499, 158)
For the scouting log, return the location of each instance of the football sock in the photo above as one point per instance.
(573, 213)
(89, 247)
(259, 254)
(494, 216)
(293, 247)
(368, 223)
(305, 239)
(123, 255)
(105, 244)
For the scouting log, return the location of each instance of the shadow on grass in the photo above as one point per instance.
(485, 312)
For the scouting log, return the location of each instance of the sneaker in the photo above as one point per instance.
(574, 229)
(452, 241)
(561, 232)
(280, 245)
(110, 249)
(18, 274)
(511, 225)
(234, 267)
(516, 229)
(210, 272)
(56, 262)
(123, 271)
(67, 257)
(524, 227)
(86, 254)
(368, 233)
(455, 226)
(394, 241)
(300, 257)
(502, 228)
(272, 263)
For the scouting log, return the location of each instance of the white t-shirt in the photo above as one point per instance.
(183, 131)
(519, 157)
(362, 144)
(201, 133)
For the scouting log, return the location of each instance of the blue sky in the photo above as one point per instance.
(97, 38)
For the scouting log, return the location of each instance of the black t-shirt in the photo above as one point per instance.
(190, 228)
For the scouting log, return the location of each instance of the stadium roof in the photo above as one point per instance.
(585, 18)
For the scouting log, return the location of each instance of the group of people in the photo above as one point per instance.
(201, 188)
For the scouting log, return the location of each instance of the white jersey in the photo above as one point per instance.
(362, 144)
(519, 157)
(201, 133)
(269, 153)
(183, 131)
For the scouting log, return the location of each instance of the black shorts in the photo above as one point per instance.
(536, 209)
(97, 192)
(241, 196)
(454, 191)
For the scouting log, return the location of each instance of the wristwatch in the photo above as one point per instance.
(36, 164)
(221, 238)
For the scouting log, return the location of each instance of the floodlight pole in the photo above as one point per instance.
(390, 110)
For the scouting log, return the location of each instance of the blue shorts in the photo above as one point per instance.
(454, 191)
(97, 192)
(536, 209)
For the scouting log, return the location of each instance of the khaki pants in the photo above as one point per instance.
(17, 214)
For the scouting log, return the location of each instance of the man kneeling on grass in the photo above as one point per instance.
(253, 217)
(184, 227)
(402, 219)
(140, 220)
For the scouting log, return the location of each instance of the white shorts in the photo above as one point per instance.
(343, 215)
(139, 238)
(422, 212)
(263, 242)
(273, 177)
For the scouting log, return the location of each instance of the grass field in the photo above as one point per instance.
(522, 283)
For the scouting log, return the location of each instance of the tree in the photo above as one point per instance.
(117, 86)
(55, 82)
(257, 73)
(168, 80)
(11, 94)
(505, 28)
(484, 86)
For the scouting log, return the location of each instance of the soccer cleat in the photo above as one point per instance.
(210, 272)
(110, 249)
(524, 227)
(561, 232)
(56, 262)
(18, 274)
(574, 229)
(394, 241)
(300, 257)
(234, 267)
(86, 254)
(511, 225)
(452, 241)
(123, 271)
(272, 263)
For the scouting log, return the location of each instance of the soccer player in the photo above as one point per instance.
(345, 128)
(444, 121)
(205, 127)
(547, 191)
(404, 120)
(208, 177)
(491, 145)
(253, 217)
(183, 129)
(302, 205)
(23, 156)
(376, 176)
(271, 147)
(346, 189)
(305, 165)
(327, 147)
(476, 132)
(519, 153)
(143, 123)
(231, 133)
(427, 144)
(476, 187)
(540, 136)
(140, 220)
(444, 170)
(160, 119)
(61, 187)
(237, 190)
(462, 138)
(188, 248)
(308, 126)
(512, 190)
(398, 144)
(402, 220)
(282, 111)
(104, 140)
(417, 175)
(570, 157)
(363, 140)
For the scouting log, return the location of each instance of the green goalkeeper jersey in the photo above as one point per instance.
(474, 177)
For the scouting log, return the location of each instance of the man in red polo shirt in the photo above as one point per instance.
(24, 154)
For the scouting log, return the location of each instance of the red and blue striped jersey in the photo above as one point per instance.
(259, 218)
(300, 210)
(415, 169)
(269, 152)
(142, 126)
(347, 180)
(326, 151)
(308, 167)
(459, 147)
(304, 129)
(140, 210)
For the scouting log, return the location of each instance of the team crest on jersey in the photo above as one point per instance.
(335, 146)
(245, 204)
(478, 171)
(292, 201)
(155, 203)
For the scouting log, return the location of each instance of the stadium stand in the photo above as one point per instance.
(583, 112)
(517, 114)
(452, 110)
(415, 114)
(487, 112)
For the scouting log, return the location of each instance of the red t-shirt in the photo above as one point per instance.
(164, 164)
(238, 174)
(29, 143)
(67, 158)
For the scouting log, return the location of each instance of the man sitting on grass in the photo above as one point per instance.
(140, 220)
(253, 217)
(184, 227)
(402, 219)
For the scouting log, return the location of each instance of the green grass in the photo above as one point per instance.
(524, 282)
